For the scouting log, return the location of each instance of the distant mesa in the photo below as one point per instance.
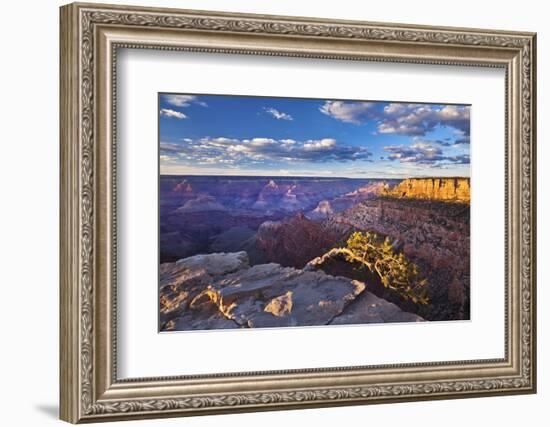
(270, 189)
(283, 197)
(441, 189)
(370, 190)
(201, 204)
(322, 211)
(183, 187)
(326, 208)
(272, 184)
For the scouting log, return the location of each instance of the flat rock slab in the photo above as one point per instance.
(368, 308)
(222, 291)
(216, 264)
(269, 295)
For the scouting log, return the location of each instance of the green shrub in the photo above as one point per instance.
(396, 272)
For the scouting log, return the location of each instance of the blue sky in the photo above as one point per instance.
(268, 136)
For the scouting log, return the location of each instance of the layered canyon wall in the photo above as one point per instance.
(443, 189)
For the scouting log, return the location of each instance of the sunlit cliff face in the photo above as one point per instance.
(445, 189)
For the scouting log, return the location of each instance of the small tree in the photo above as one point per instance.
(378, 255)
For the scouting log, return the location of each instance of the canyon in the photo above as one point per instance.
(261, 233)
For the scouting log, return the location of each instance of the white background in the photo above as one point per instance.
(29, 217)
(142, 351)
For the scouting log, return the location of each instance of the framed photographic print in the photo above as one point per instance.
(265, 212)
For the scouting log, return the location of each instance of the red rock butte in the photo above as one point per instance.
(445, 189)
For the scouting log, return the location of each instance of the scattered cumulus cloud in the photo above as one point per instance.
(405, 139)
(166, 158)
(182, 100)
(349, 112)
(462, 140)
(279, 115)
(420, 119)
(320, 144)
(167, 112)
(415, 153)
(233, 151)
(462, 159)
(401, 118)
(168, 148)
(449, 142)
(425, 153)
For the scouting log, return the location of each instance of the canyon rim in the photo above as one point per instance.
(281, 212)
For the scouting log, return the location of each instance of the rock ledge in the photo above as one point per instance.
(221, 291)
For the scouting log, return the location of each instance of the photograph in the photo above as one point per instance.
(291, 212)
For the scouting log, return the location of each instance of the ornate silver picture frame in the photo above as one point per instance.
(91, 36)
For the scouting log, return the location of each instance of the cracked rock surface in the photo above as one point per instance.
(222, 291)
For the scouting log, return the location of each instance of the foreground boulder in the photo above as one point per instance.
(182, 281)
(221, 291)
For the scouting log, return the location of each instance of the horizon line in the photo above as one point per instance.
(315, 176)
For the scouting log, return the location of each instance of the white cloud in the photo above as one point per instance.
(261, 142)
(279, 115)
(179, 100)
(321, 144)
(167, 112)
(166, 158)
(350, 112)
(425, 153)
(182, 100)
(419, 119)
(400, 118)
(261, 149)
(169, 148)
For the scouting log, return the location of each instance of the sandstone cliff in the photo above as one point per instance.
(444, 189)
(222, 291)
(433, 234)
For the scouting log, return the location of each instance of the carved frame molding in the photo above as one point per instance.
(90, 37)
